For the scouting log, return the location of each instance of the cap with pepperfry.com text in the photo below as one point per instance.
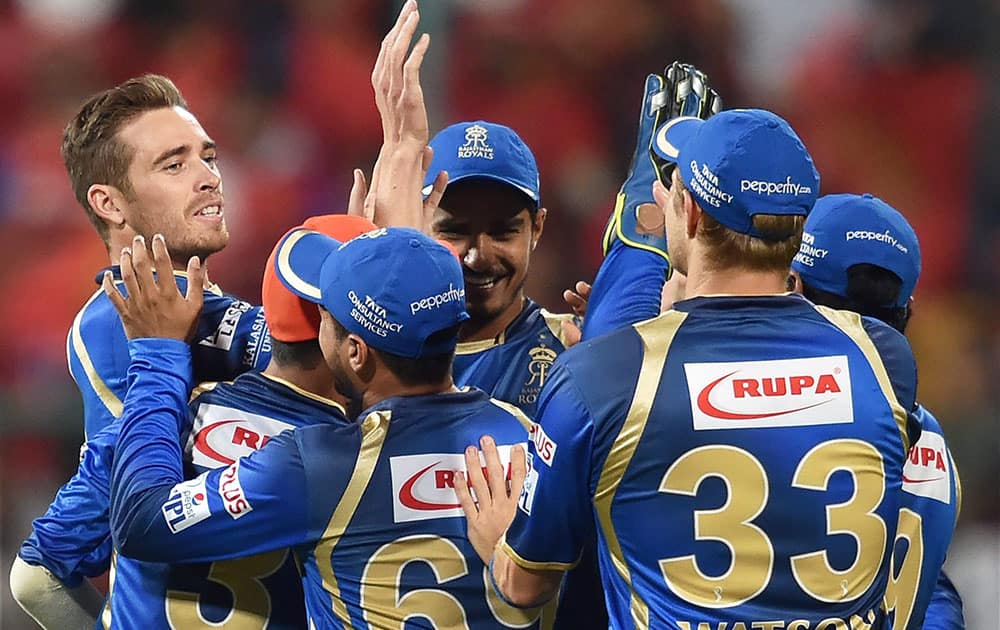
(394, 287)
(741, 163)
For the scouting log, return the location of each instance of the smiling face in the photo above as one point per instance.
(492, 227)
(175, 183)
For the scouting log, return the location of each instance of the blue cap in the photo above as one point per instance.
(740, 163)
(847, 230)
(393, 287)
(484, 149)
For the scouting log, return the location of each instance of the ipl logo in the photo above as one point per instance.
(475, 144)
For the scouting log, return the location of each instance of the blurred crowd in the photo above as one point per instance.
(898, 98)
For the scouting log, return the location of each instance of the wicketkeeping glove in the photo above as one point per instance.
(682, 90)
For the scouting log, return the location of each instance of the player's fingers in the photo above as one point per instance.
(583, 289)
(571, 333)
(142, 265)
(573, 299)
(497, 477)
(161, 262)
(661, 195)
(359, 191)
(411, 72)
(115, 296)
(426, 158)
(195, 295)
(475, 474)
(518, 471)
(465, 497)
(437, 191)
(128, 273)
(397, 55)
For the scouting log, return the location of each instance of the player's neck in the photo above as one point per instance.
(389, 386)
(317, 381)
(480, 329)
(703, 282)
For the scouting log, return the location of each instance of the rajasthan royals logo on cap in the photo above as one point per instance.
(475, 144)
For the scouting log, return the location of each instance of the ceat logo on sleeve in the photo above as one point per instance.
(927, 469)
(221, 435)
(545, 447)
(780, 393)
(187, 505)
(231, 491)
(423, 486)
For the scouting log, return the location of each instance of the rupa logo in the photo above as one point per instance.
(423, 486)
(186, 505)
(780, 393)
(476, 145)
(926, 470)
(221, 435)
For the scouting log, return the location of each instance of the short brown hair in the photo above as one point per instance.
(773, 251)
(90, 147)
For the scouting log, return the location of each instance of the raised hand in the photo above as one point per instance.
(154, 306)
(394, 197)
(492, 510)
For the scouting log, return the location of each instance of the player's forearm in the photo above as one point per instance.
(520, 587)
(945, 609)
(626, 291)
(147, 461)
(50, 602)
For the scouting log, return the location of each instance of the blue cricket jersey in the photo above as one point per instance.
(72, 539)
(919, 594)
(742, 458)
(513, 367)
(228, 421)
(231, 338)
(369, 507)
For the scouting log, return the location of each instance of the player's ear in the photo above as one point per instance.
(692, 214)
(106, 201)
(537, 225)
(360, 357)
(794, 282)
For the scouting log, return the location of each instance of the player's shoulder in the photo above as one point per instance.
(599, 370)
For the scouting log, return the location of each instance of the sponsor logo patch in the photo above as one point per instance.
(780, 393)
(187, 505)
(221, 435)
(233, 497)
(222, 338)
(545, 447)
(927, 469)
(527, 498)
(423, 486)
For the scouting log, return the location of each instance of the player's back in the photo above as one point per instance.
(396, 545)
(229, 421)
(930, 503)
(747, 462)
(513, 367)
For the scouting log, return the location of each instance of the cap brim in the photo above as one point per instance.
(674, 134)
(299, 260)
(451, 180)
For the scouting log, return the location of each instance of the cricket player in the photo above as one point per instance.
(720, 445)
(369, 507)
(860, 254)
(228, 420)
(139, 163)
